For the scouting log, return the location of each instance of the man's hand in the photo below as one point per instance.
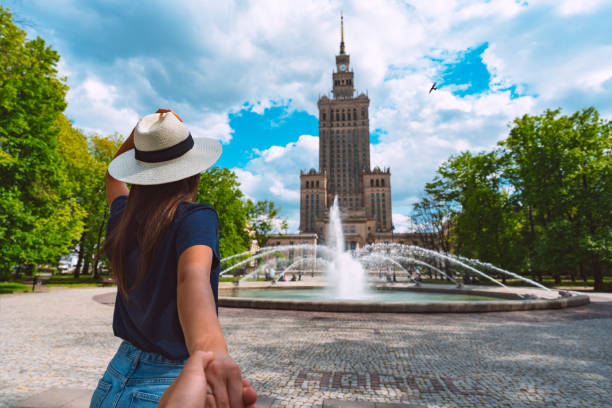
(189, 388)
(225, 382)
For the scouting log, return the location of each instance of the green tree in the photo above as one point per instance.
(483, 217)
(541, 204)
(102, 149)
(561, 170)
(38, 214)
(262, 219)
(87, 160)
(220, 188)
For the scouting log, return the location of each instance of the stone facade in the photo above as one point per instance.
(363, 194)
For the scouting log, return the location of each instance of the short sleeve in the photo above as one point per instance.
(199, 227)
(118, 205)
(116, 208)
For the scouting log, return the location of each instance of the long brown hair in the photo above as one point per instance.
(149, 212)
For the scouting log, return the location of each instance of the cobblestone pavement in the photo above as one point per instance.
(546, 358)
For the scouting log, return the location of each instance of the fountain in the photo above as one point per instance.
(346, 276)
(352, 281)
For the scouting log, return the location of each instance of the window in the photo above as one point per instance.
(382, 182)
(377, 183)
(323, 116)
(371, 182)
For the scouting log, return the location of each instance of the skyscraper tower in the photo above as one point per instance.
(344, 163)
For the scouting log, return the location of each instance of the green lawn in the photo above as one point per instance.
(547, 281)
(70, 281)
(10, 287)
(88, 281)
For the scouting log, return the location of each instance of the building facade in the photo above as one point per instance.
(363, 193)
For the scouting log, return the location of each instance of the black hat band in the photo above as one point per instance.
(169, 153)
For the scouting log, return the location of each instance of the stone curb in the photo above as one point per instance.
(406, 307)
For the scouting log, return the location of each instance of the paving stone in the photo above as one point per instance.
(553, 358)
(58, 398)
(347, 404)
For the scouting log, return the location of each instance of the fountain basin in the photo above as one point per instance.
(421, 299)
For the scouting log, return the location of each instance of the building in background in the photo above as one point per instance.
(363, 194)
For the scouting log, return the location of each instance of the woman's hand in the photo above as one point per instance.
(189, 388)
(225, 382)
(165, 110)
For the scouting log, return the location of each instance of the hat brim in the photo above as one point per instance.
(126, 168)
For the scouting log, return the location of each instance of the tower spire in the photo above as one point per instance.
(341, 33)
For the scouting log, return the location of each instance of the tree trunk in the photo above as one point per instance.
(29, 269)
(95, 266)
(96, 275)
(77, 269)
(597, 273)
(87, 261)
(582, 272)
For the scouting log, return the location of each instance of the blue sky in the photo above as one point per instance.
(249, 73)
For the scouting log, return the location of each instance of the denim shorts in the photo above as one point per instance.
(135, 378)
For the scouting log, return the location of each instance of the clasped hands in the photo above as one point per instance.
(209, 380)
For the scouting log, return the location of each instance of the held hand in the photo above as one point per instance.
(225, 382)
(189, 388)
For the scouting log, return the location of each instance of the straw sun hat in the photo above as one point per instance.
(164, 152)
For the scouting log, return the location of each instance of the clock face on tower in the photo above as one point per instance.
(342, 67)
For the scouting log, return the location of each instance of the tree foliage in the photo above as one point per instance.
(240, 219)
(39, 216)
(52, 176)
(539, 204)
(262, 218)
(220, 188)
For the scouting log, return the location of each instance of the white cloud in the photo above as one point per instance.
(91, 106)
(213, 125)
(402, 223)
(274, 173)
(211, 59)
(572, 7)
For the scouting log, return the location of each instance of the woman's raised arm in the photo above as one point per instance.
(114, 187)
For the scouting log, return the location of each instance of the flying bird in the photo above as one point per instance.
(433, 87)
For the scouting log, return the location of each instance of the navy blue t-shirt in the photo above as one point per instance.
(149, 318)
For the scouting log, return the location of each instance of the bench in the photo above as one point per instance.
(40, 280)
(108, 281)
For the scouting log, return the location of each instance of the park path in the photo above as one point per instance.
(63, 338)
